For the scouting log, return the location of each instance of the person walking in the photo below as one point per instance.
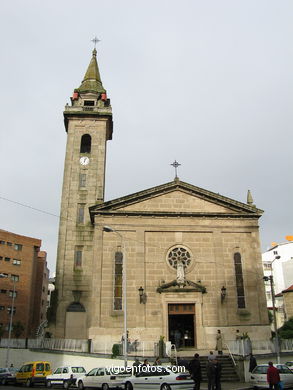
(273, 377)
(252, 362)
(218, 373)
(211, 374)
(195, 371)
(219, 344)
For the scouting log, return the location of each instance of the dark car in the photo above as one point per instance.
(7, 375)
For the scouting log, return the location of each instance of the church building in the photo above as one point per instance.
(191, 257)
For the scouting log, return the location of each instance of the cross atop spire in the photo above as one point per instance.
(95, 40)
(175, 164)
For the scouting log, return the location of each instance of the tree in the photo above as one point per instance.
(17, 329)
(286, 331)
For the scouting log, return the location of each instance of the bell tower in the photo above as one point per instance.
(88, 123)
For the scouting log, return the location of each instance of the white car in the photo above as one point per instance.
(290, 365)
(160, 378)
(258, 377)
(65, 376)
(102, 377)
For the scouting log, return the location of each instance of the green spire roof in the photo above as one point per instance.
(92, 79)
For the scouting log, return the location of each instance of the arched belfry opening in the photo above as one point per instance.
(75, 321)
(85, 143)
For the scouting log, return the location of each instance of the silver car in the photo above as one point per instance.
(159, 378)
(102, 377)
(258, 377)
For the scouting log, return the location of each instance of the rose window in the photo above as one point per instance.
(179, 255)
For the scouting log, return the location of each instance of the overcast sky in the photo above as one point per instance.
(208, 83)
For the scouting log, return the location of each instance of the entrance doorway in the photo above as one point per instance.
(181, 319)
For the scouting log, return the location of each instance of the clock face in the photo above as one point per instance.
(84, 160)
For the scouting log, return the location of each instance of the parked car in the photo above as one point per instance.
(65, 376)
(7, 375)
(160, 378)
(104, 378)
(290, 365)
(33, 372)
(258, 377)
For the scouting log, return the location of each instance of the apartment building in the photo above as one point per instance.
(23, 283)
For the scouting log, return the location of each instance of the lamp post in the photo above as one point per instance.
(10, 322)
(124, 290)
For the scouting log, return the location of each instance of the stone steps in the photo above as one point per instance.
(229, 373)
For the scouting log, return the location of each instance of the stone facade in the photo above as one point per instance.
(216, 233)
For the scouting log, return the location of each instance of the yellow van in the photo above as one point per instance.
(33, 372)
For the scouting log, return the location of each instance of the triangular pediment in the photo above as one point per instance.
(175, 198)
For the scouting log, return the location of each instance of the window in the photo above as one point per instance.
(275, 252)
(15, 278)
(78, 257)
(9, 309)
(3, 291)
(10, 293)
(239, 281)
(2, 242)
(179, 255)
(7, 259)
(18, 247)
(4, 275)
(1, 257)
(80, 213)
(2, 307)
(58, 371)
(86, 143)
(40, 367)
(267, 266)
(16, 262)
(82, 180)
(118, 278)
(89, 102)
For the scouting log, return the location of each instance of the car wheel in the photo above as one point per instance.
(3, 381)
(65, 385)
(48, 384)
(128, 386)
(28, 383)
(165, 386)
(105, 386)
(80, 385)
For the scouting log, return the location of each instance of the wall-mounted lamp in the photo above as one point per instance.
(223, 293)
(142, 295)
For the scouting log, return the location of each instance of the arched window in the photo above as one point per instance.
(118, 279)
(239, 281)
(86, 143)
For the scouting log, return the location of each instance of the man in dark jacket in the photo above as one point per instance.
(195, 371)
(252, 363)
(273, 377)
(218, 374)
(211, 374)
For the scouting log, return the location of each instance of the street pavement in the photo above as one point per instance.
(204, 386)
